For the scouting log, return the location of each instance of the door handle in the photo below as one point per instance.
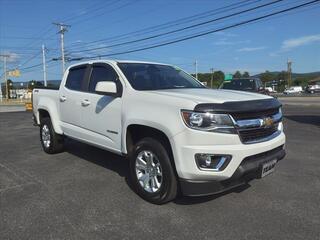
(63, 98)
(85, 103)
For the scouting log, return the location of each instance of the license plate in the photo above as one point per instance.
(268, 168)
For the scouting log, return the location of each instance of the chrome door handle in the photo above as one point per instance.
(85, 103)
(63, 98)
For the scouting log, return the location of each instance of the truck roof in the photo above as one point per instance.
(114, 61)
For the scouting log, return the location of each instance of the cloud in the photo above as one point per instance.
(227, 34)
(250, 49)
(13, 57)
(297, 42)
(289, 44)
(225, 41)
(274, 54)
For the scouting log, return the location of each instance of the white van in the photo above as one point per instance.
(293, 89)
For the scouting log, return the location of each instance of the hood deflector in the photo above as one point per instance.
(241, 106)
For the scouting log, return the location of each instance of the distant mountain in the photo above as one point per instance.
(310, 75)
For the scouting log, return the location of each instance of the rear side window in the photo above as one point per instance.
(75, 78)
(101, 73)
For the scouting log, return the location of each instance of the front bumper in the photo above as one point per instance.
(188, 143)
(250, 168)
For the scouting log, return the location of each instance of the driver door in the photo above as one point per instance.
(101, 114)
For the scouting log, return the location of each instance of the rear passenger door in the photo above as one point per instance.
(101, 115)
(70, 100)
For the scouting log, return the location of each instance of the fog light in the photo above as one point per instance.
(211, 161)
(208, 160)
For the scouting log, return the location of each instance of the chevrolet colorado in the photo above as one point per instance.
(179, 136)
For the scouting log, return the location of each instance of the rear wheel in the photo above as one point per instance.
(152, 173)
(51, 142)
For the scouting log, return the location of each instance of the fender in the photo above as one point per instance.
(51, 107)
(142, 122)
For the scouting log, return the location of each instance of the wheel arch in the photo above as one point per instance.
(45, 112)
(136, 132)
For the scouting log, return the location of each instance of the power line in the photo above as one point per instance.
(42, 33)
(31, 58)
(181, 29)
(180, 21)
(105, 12)
(207, 32)
(89, 9)
(136, 15)
(33, 66)
(24, 38)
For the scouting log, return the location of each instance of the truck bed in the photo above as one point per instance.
(48, 95)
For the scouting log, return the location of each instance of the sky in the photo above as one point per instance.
(256, 47)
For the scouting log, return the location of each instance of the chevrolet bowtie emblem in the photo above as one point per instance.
(267, 122)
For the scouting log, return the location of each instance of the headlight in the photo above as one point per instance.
(214, 122)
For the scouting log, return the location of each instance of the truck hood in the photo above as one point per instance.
(205, 95)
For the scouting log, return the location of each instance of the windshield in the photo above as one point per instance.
(241, 84)
(145, 76)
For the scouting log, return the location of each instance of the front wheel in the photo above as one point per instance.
(152, 173)
(51, 141)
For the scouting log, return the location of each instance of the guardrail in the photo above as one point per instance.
(26, 103)
(14, 101)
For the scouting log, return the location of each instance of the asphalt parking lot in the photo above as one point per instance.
(83, 193)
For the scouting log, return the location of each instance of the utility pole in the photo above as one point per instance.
(62, 30)
(196, 66)
(211, 69)
(289, 63)
(5, 56)
(44, 65)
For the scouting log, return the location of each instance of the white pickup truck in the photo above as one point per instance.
(179, 136)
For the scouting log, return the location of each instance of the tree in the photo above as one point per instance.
(218, 78)
(282, 75)
(237, 74)
(301, 81)
(33, 83)
(267, 77)
(4, 87)
(246, 75)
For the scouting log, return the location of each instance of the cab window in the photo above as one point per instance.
(75, 78)
(101, 73)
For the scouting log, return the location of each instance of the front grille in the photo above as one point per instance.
(257, 134)
(257, 114)
(251, 135)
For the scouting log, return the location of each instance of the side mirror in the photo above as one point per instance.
(106, 87)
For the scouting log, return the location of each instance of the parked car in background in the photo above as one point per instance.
(245, 84)
(313, 88)
(293, 90)
(270, 90)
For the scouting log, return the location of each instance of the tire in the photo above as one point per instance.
(51, 142)
(161, 173)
